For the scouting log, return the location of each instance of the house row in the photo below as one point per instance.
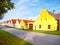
(18, 23)
(45, 21)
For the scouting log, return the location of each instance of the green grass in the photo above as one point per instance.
(9, 39)
(43, 31)
(47, 32)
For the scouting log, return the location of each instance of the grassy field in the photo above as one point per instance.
(43, 31)
(8, 39)
(47, 32)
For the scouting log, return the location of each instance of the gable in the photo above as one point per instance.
(13, 21)
(22, 23)
(44, 16)
(18, 21)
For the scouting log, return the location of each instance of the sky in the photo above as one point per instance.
(30, 9)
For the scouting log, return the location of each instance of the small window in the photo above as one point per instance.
(39, 26)
(49, 26)
(46, 18)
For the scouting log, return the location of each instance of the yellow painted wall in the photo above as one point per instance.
(22, 25)
(44, 19)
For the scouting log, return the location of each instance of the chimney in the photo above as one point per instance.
(53, 11)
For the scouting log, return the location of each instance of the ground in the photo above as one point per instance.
(9, 39)
(35, 38)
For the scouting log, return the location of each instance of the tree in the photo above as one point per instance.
(5, 5)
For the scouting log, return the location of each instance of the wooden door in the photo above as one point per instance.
(31, 26)
(49, 26)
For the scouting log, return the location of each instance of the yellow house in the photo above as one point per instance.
(46, 21)
(24, 24)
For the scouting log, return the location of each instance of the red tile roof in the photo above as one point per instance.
(8, 21)
(59, 17)
(54, 15)
(27, 21)
(19, 20)
(13, 21)
(0, 22)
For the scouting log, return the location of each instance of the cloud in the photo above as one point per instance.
(29, 8)
(21, 2)
(23, 9)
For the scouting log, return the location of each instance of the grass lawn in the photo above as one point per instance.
(48, 32)
(43, 31)
(9, 39)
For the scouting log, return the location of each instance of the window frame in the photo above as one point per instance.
(39, 26)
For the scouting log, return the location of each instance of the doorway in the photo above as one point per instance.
(49, 26)
(31, 26)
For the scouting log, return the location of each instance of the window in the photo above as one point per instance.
(39, 26)
(46, 18)
(49, 26)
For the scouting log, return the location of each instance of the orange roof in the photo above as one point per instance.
(13, 21)
(4, 22)
(10, 21)
(0, 22)
(59, 17)
(19, 20)
(27, 21)
(7, 21)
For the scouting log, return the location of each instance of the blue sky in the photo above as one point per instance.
(31, 8)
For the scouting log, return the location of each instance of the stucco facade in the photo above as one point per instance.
(45, 21)
(23, 25)
(17, 24)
